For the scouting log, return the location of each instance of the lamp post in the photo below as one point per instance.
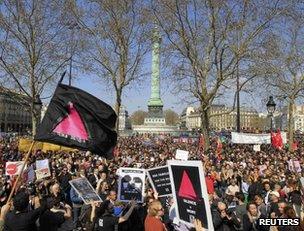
(72, 26)
(37, 109)
(271, 106)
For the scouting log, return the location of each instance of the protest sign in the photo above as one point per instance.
(29, 174)
(85, 190)
(131, 184)
(160, 180)
(190, 192)
(294, 166)
(42, 169)
(181, 155)
(257, 148)
(13, 168)
(262, 168)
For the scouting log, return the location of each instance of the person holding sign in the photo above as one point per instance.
(107, 221)
(56, 214)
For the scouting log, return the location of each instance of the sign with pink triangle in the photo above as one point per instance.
(190, 192)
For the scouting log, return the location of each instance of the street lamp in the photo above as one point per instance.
(72, 26)
(271, 106)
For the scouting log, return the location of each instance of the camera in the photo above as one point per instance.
(31, 189)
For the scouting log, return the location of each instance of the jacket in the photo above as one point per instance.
(75, 198)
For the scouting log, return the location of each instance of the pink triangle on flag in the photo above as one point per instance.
(72, 125)
(186, 189)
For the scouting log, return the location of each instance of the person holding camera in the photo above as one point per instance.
(21, 218)
(250, 219)
(55, 215)
(223, 220)
(107, 221)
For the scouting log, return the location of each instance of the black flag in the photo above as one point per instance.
(75, 118)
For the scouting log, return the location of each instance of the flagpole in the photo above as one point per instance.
(21, 172)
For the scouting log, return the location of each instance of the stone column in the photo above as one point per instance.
(155, 99)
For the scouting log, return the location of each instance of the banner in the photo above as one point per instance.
(77, 119)
(160, 180)
(42, 169)
(181, 155)
(131, 184)
(13, 168)
(85, 190)
(190, 192)
(252, 138)
(24, 146)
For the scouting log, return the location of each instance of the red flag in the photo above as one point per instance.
(295, 146)
(276, 140)
(219, 148)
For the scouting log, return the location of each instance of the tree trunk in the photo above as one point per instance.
(290, 123)
(34, 123)
(205, 122)
(117, 109)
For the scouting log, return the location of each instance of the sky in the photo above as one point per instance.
(136, 97)
(133, 99)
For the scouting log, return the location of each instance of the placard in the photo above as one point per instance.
(160, 180)
(13, 168)
(131, 184)
(181, 154)
(29, 174)
(190, 192)
(294, 166)
(257, 148)
(85, 190)
(42, 169)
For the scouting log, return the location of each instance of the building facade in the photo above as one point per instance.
(299, 118)
(221, 117)
(15, 115)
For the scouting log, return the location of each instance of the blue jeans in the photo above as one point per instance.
(76, 214)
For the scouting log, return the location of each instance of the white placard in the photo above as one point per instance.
(131, 184)
(42, 169)
(181, 154)
(13, 168)
(85, 190)
(257, 148)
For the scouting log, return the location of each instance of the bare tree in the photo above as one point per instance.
(33, 47)
(171, 117)
(117, 39)
(138, 117)
(280, 61)
(208, 39)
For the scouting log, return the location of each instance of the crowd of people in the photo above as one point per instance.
(243, 185)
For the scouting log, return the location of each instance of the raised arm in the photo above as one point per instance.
(128, 214)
